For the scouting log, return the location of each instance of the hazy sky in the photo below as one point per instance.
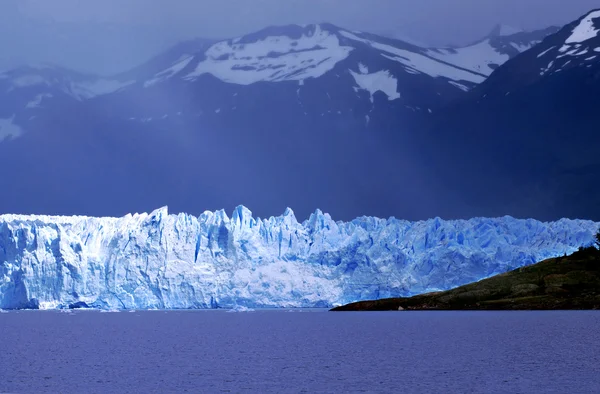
(110, 35)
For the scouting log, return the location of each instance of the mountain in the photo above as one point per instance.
(524, 141)
(165, 60)
(203, 129)
(560, 283)
(501, 30)
(575, 45)
(30, 91)
(399, 35)
(357, 124)
(157, 260)
(486, 55)
(298, 60)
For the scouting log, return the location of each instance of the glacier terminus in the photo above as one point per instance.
(162, 261)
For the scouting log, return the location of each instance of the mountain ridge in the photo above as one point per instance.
(387, 130)
(526, 136)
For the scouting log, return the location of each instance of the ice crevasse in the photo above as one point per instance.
(157, 260)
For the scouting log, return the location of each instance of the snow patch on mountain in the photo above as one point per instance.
(418, 63)
(157, 260)
(585, 30)
(169, 72)
(97, 87)
(477, 57)
(522, 47)
(484, 56)
(576, 48)
(73, 84)
(380, 81)
(400, 36)
(9, 129)
(37, 101)
(545, 51)
(460, 86)
(28, 80)
(274, 58)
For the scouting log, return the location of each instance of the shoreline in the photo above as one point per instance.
(563, 283)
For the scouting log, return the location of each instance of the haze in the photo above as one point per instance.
(114, 35)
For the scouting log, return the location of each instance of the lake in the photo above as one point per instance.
(300, 351)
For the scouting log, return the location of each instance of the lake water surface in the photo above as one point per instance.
(309, 351)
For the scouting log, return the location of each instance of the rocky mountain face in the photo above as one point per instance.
(526, 137)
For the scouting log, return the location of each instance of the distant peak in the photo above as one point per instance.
(291, 31)
(501, 30)
(396, 34)
(587, 28)
(595, 13)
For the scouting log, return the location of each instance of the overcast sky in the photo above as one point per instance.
(110, 35)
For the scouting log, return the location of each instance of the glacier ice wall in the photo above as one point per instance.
(159, 260)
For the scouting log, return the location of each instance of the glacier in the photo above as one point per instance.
(161, 261)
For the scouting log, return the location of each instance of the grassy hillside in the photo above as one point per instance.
(571, 282)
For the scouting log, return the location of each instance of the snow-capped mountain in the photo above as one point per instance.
(179, 261)
(370, 121)
(575, 46)
(299, 96)
(314, 74)
(297, 53)
(527, 136)
(27, 92)
(317, 70)
(164, 60)
(314, 70)
(310, 71)
(76, 85)
(486, 55)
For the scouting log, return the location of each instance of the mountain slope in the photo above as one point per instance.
(29, 92)
(575, 45)
(486, 55)
(293, 53)
(313, 70)
(164, 60)
(193, 131)
(524, 141)
(357, 124)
